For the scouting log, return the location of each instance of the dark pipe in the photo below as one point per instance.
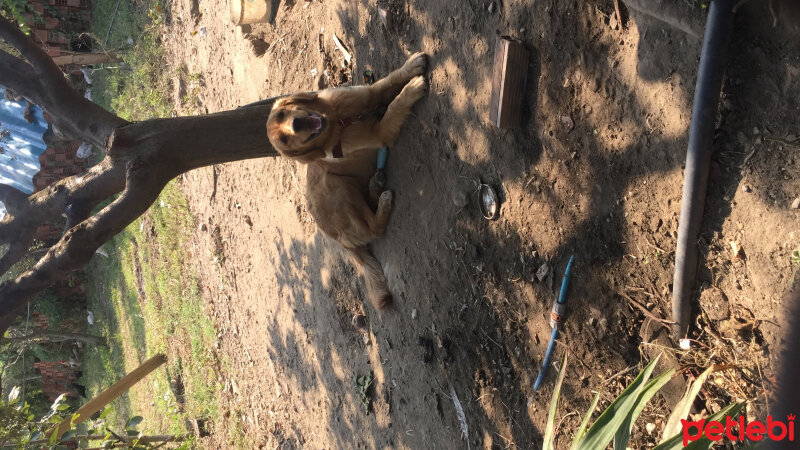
(698, 157)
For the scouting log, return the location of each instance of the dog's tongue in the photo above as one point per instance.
(314, 123)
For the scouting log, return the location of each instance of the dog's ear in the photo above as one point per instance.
(300, 97)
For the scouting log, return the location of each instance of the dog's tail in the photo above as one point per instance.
(377, 290)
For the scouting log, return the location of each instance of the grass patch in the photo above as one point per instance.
(146, 301)
(139, 88)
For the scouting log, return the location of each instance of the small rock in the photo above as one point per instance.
(492, 6)
(747, 188)
(542, 272)
(359, 321)
(413, 313)
(756, 131)
(568, 122)
(650, 427)
(522, 30)
(796, 203)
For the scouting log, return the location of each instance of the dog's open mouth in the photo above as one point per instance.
(316, 124)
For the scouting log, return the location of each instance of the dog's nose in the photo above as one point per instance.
(298, 124)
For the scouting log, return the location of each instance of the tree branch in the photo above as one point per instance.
(16, 250)
(12, 198)
(73, 114)
(58, 336)
(77, 246)
(18, 75)
(46, 206)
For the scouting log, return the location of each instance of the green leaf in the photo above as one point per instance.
(62, 407)
(68, 435)
(105, 412)
(549, 432)
(684, 406)
(676, 441)
(624, 432)
(133, 422)
(74, 419)
(605, 427)
(582, 429)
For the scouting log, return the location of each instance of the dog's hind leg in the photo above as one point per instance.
(377, 290)
(399, 109)
(381, 219)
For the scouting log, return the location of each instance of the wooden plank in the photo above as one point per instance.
(110, 394)
(510, 74)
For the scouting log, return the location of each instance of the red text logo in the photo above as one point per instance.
(738, 430)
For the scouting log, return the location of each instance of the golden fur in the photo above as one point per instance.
(310, 127)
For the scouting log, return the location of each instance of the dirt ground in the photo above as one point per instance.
(594, 171)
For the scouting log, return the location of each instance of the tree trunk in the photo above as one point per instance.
(58, 336)
(140, 159)
(86, 59)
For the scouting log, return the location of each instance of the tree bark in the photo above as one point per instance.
(58, 336)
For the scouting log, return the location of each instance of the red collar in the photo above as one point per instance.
(337, 152)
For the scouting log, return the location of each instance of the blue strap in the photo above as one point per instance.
(383, 153)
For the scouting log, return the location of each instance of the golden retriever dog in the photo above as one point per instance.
(338, 132)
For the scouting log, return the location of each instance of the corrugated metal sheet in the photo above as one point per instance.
(20, 145)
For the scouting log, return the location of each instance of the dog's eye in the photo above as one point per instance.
(281, 115)
(284, 138)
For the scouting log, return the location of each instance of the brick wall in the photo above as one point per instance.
(58, 22)
(57, 378)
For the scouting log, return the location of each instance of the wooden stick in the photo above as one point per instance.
(646, 312)
(110, 394)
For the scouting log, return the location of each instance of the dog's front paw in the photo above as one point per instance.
(416, 88)
(416, 64)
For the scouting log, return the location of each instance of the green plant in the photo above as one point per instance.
(362, 385)
(16, 10)
(616, 422)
